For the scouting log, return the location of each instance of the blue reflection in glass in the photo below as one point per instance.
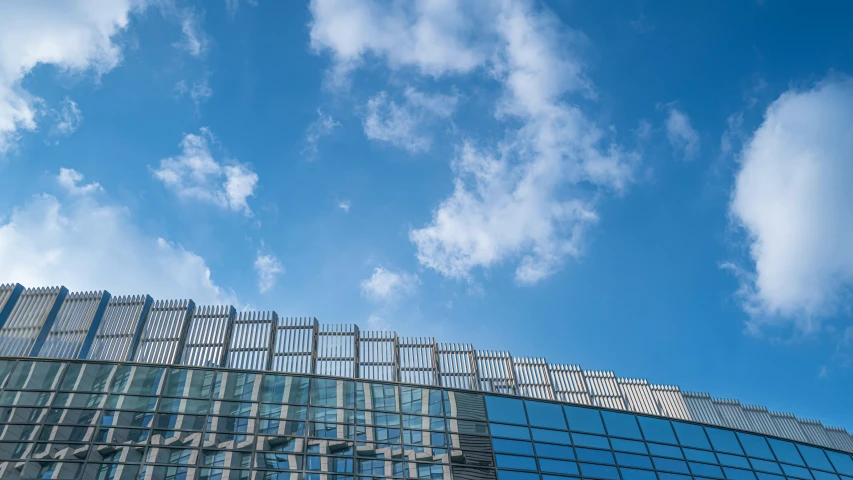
(738, 474)
(690, 435)
(723, 440)
(513, 461)
(594, 441)
(592, 455)
(841, 462)
(511, 431)
(814, 457)
(699, 455)
(705, 470)
(543, 414)
(631, 460)
(755, 446)
(558, 466)
(556, 451)
(765, 466)
(657, 430)
(818, 475)
(668, 464)
(583, 419)
(621, 425)
(632, 446)
(672, 476)
(665, 450)
(510, 475)
(798, 472)
(768, 476)
(512, 446)
(732, 460)
(551, 436)
(632, 474)
(502, 409)
(785, 451)
(599, 471)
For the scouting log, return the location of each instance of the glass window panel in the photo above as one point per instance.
(841, 462)
(818, 475)
(699, 455)
(732, 460)
(785, 451)
(657, 430)
(284, 389)
(755, 446)
(738, 474)
(765, 466)
(690, 435)
(595, 441)
(705, 470)
(332, 393)
(797, 472)
(584, 419)
(665, 450)
(5, 367)
(670, 465)
(87, 377)
(768, 476)
(592, 455)
(30, 375)
(137, 380)
(503, 409)
(510, 431)
(672, 476)
(515, 461)
(236, 385)
(723, 440)
(376, 396)
(631, 460)
(552, 436)
(633, 474)
(628, 445)
(558, 466)
(510, 475)
(814, 457)
(543, 414)
(556, 451)
(621, 425)
(187, 382)
(599, 471)
(512, 446)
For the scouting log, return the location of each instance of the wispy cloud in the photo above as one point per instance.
(72, 181)
(406, 125)
(345, 205)
(194, 40)
(68, 118)
(268, 268)
(387, 286)
(324, 125)
(680, 133)
(195, 174)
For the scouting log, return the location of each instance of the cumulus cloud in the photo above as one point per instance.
(75, 36)
(792, 199)
(530, 196)
(387, 286)
(268, 268)
(404, 125)
(71, 180)
(324, 125)
(681, 134)
(90, 245)
(68, 118)
(195, 174)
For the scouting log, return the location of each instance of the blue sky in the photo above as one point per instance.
(654, 188)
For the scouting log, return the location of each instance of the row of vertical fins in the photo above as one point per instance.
(53, 323)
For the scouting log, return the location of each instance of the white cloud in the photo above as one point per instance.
(387, 286)
(324, 125)
(89, 245)
(200, 92)
(195, 174)
(375, 323)
(75, 36)
(268, 268)
(194, 40)
(792, 198)
(345, 205)
(681, 134)
(69, 118)
(404, 125)
(71, 179)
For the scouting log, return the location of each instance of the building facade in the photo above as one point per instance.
(101, 387)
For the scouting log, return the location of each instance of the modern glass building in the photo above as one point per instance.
(101, 387)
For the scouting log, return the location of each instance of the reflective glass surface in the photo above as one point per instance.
(93, 420)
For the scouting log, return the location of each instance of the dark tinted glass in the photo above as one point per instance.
(723, 440)
(785, 451)
(584, 419)
(621, 425)
(543, 414)
(814, 457)
(755, 446)
(502, 409)
(657, 430)
(691, 435)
